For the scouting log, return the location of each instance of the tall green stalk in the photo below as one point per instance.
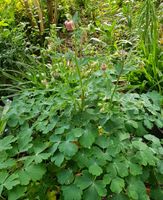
(79, 74)
(117, 82)
(81, 85)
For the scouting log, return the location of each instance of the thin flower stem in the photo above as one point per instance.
(116, 85)
(81, 84)
(80, 77)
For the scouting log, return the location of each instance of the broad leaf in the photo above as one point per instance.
(11, 181)
(58, 159)
(136, 189)
(107, 179)
(35, 172)
(16, 193)
(65, 177)
(24, 177)
(38, 158)
(71, 192)
(77, 132)
(117, 185)
(51, 125)
(95, 169)
(3, 176)
(83, 181)
(87, 139)
(122, 168)
(111, 170)
(102, 141)
(95, 191)
(152, 138)
(68, 148)
(91, 193)
(8, 163)
(120, 197)
(82, 159)
(148, 124)
(160, 166)
(146, 157)
(139, 145)
(13, 121)
(135, 169)
(5, 143)
(24, 139)
(100, 187)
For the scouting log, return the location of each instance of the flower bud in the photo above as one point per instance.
(69, 24)
(103, 67)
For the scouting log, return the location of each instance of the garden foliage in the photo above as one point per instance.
(81, 117)
(102, 149)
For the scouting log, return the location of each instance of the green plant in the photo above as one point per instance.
(148, 31)
(72, 132)
(12, 44)
(14, 50)
(3, 112)
(52, 146)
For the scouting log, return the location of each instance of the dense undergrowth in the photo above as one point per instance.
(81, 114)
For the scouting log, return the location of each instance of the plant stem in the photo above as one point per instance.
(81, 84)
(116, 85)
(80, 77)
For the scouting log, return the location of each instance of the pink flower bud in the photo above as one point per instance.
(103, 67)
(69, 24)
